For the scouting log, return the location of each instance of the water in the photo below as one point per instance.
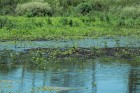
(104, 74)
(84, 43)
(74, 75)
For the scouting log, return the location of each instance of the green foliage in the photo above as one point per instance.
(7, 7)
(100, 5)
(68, 7)
(44, 28)
(84, 8)
(5, 22)
(131, 12)
(34, 9)
(70, 22)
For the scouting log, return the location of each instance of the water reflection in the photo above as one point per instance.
(65, 74)
(114, 76)
(134, 80)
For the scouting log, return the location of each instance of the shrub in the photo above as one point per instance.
(126, 2)
(64, 21)
(84, 8)
(100, 5)
(5, 22)
(32, 9)
(130, 11)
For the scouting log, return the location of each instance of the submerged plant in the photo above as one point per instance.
(49, 88)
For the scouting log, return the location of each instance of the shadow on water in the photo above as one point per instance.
(111, 68)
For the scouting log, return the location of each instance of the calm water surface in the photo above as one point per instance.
(84, 43)
(72, 76)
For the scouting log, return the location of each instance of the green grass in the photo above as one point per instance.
(46, 28)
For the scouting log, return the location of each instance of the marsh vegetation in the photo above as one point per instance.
(65, 19)
(35, 72)
(76, 46)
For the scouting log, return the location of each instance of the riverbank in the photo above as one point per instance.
(48, 28)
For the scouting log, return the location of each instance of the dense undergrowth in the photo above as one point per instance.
(70, 7)
(58, 19)
(45, 28)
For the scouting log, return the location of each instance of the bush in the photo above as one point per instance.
(7, 7)
(5, 22)
(100, 5)
(32, 9)
(130, 11)
(84, 8)
(92, 6)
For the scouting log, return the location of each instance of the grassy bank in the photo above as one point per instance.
(66, 19)
(45, 28)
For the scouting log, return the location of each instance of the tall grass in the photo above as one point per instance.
(92, 18)
(44, 28)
